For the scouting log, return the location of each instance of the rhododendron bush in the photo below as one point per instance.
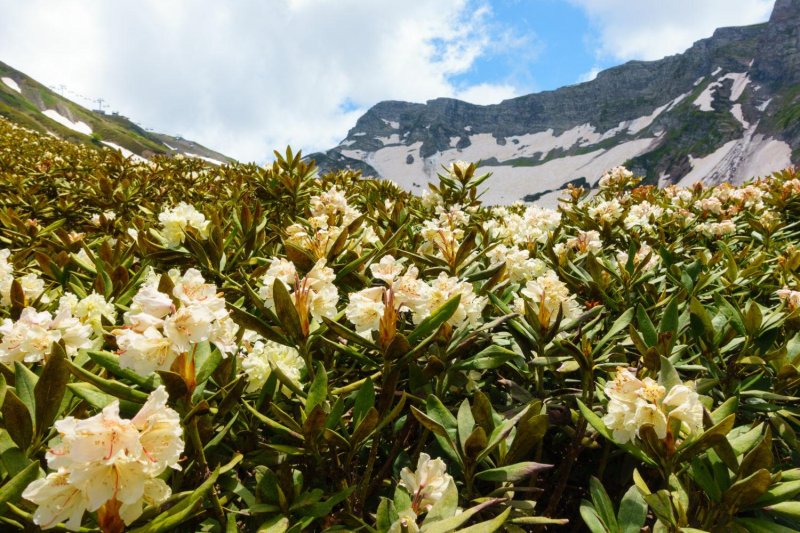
(186, 347)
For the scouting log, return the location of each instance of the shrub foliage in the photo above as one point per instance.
(194, 348)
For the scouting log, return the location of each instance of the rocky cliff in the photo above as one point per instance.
(728, 108)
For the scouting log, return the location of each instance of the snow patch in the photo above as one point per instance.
(125, 151)
(391, 123)
(354, 154)
(12, 84)
(736, 111)
(706, 98)
(170, 147)
(716, 71)
(454, 141)
(206, 159)
(394, 138)
(508, 184)
(739, 160)
(699, 81)
(763, 106)
(467, 128)
(347, 142)
(360, 134)
(80, 127)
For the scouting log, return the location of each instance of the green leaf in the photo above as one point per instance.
(183, 510)
(465, 423)
(50, 389)
(710, 437)
(668, 377)
(278, 524)
(646, 327)
(365, 399)
(434, 321)
(488, 526)
(25, 383)
(109, 386)
(758, 525)
(512, 473)
(591, 518)
(785, 509)
(619, 324)
(669, 320)
(110, 362)
(449, 524)
(632, 511)
(206, 360)
(318, 391)
(17, 420)
(602, 504)
(12, 489)
(99, 399)
(747, 490)
(286, 311)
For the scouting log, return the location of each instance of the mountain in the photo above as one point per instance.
(28, 103)
(726, 109)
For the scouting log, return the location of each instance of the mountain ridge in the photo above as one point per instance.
(27, 102)
(724, 107)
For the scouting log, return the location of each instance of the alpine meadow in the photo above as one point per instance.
(189, 343)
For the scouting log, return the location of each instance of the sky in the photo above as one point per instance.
(245, 77)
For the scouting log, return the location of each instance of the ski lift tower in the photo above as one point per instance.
(100, 105)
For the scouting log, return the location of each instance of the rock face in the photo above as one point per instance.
(728, 108)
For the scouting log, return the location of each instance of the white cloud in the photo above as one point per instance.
(590, 75)
(652, 29)
(487, 93)
(246, 76)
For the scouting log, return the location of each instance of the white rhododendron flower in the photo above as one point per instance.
(442, 289)
(608, 211)
(157, 332)
(519, 265)
(709, 205)
(316, 289)
(634, 403)
(717, 229)
(365, 310)
(427, 484)
(586, 242)
(387, 269)
(32, 285)
(31, 338)
(642, 215)
(641, 254)
(108, 215)
(177, 220)
(616, 177)
(260, 353)
(548, 294)
(406, 521)
(790, 297)
(106, 457)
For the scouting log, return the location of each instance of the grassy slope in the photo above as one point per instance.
(25, 110)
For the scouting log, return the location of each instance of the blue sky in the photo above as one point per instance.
(558, 50)
(247, 76)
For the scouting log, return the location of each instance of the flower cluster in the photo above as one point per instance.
(258, 355)
(30, 338)
(176, 221)
(314, 294)
(31, 284)
(106, 458)
(635, 402)
(161, 326)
